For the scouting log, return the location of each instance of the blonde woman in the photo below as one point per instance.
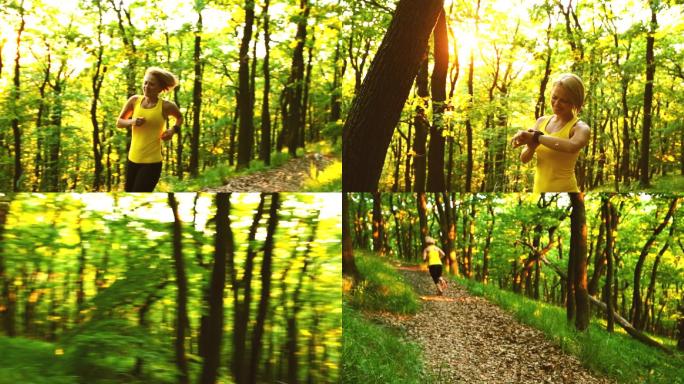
(557, 139)
(147, 115)
(434, 255)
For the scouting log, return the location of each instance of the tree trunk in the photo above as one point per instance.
(377, 107)
(438, 86)
(422, 127)
(245, 103)
(294, 87)
(265, 289)
(196, 98)
(241, 308)
(378, 225)
(578, 260)
(265, 152)
(212, 329)
(181, 294)
(644, 177)
(18, 170)
(635, 313)
(97, 79)
(348, 264)
(422, 219)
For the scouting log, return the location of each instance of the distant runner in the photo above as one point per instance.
(434, 255)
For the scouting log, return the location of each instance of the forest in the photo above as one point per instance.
(260, 84)
(523, 243)
(170, 288)
(485, 69)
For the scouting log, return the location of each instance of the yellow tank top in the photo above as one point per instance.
(555, 170)
(433, 256)
(146, 141)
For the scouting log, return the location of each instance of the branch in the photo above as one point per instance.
(619, 319)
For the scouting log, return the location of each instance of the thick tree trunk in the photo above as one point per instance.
(348, 264)
(245, 103)
(578, 260)
(435, 180)
(181, 294)
(212, 329)
(377, 107)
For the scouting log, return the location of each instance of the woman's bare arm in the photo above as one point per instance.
(124, 120)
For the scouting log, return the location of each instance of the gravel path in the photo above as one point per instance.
(467, 339)
(289, 177)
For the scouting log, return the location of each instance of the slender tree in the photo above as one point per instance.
(181, 294)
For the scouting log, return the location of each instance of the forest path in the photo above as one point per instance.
(467, 339)
(289, 177)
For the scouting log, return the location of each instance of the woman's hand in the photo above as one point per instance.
(522, 138)
(167, 135)
(138, 121)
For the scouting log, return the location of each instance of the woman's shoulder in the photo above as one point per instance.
(581, 125)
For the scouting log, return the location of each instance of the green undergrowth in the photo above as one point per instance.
(218, 175)
(328, 180)
(32, 361)
(375, 354)
(616, 355)
(371, 352)
(667, 183)
(381, 288)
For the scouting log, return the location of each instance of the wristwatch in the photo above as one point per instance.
(536, 136)
(176, 128)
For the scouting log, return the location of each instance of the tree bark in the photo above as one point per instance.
(212, 329)
(377, 107)
(294, 87)
(196, 98)
(435, 180)
(348, 264)
(18, 170)
(644, 176)
(578, 260)
(265, 150)
(265, 289)
(181, 294)
(245, 102)
(422, 126)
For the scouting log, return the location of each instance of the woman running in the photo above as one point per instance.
(433, 255)
(147, 116)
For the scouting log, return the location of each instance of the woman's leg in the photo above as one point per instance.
(131, 174)
(147, 177)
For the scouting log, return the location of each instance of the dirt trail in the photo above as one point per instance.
(467, 339)
(289, 177)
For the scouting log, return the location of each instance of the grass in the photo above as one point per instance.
(330, 180)
(658, 184)
(32, 361)
(614, 355)
(372, 353)
(382, 288)
(375, 354)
